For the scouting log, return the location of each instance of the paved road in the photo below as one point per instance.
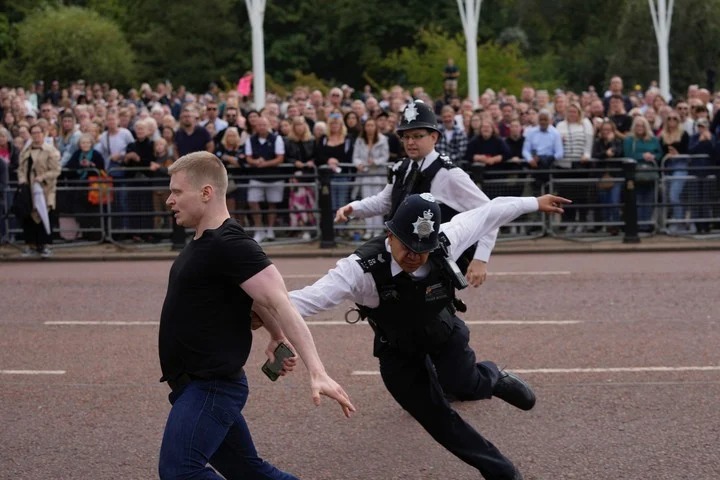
(622, 350)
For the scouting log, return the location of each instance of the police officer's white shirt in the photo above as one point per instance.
(452, 187)
(348, 282)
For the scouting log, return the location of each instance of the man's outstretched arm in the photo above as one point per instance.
(267, 289)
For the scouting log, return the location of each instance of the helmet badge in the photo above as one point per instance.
(423, 227)
(410, 112)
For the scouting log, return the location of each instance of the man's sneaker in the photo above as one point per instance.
(29, 252)
(270, 235)
(306, 236)
(259, 236)
(514, 391)
(45, 252)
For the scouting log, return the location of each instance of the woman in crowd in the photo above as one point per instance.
(705, 146)
(608, 147)
(335, 151)
(641, 145)
(85, 162)
(370, 156)
(577, 134)
(39, 163)
(485, 155)
(67, 139)
(284, 128)
(473, 129)
(231, 153)
(8, 174)
(168, 134)
(352, 125)
(674, 142)
(300, 152)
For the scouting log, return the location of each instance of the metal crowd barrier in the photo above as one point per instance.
(691, 195)
(133, 209)
(606, 202)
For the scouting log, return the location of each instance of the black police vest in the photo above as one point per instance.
(264, 150)
(421, 185)
(413, 315)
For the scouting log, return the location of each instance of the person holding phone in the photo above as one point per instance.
(205, 334)
(404, 285)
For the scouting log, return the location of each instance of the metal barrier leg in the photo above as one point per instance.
(630, 208)
(327, 216)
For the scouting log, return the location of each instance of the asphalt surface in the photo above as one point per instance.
(627, 372)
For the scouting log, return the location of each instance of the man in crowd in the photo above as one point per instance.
(264, 153)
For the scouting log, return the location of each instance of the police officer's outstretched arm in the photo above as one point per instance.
(267, 289)
(552, 203)
(367, 207)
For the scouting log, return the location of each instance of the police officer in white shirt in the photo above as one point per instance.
(425, 170)
(404, 285)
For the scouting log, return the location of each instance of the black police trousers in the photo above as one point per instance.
(419, 382)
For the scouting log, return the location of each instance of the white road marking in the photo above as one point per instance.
(467, 322)
(295, 276)
(708, 368)
(32, 372)
(94, 322)
(313, 323)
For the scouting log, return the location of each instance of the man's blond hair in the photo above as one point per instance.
(202, 168)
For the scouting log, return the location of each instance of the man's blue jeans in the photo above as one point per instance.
(206, 425)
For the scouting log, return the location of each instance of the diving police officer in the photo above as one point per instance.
(425, 170)
(404, 285)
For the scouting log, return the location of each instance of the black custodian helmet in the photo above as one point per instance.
(416, 223)
(418, 115)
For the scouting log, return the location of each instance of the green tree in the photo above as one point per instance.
(189, 42)
(694, 45)
(72, 42)
(423, 63)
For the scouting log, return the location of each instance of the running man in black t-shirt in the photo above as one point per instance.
(205, 334)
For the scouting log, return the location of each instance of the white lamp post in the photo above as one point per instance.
(256, 12)
(470, 15)
(662, 19)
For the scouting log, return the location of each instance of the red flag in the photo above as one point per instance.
(245, 84)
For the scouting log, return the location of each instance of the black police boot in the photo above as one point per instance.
(514, 391)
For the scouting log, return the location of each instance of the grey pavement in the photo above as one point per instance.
(547, 244)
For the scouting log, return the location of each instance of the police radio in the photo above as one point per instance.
(451, 268)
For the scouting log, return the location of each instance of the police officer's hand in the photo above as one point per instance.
(552, 203)
(289, 363)
(343, 213)
(477, 273)
(322, 384)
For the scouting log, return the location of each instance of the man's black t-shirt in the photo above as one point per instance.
(205, 320)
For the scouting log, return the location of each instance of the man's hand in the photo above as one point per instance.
(552, 204)
(322, 384)
(289, 363)
(477, 273)
(343, 213)
(255, 321)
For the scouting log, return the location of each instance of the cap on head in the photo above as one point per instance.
(418, 115)
(416, 223)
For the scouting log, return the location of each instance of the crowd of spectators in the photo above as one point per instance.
(135, 135)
